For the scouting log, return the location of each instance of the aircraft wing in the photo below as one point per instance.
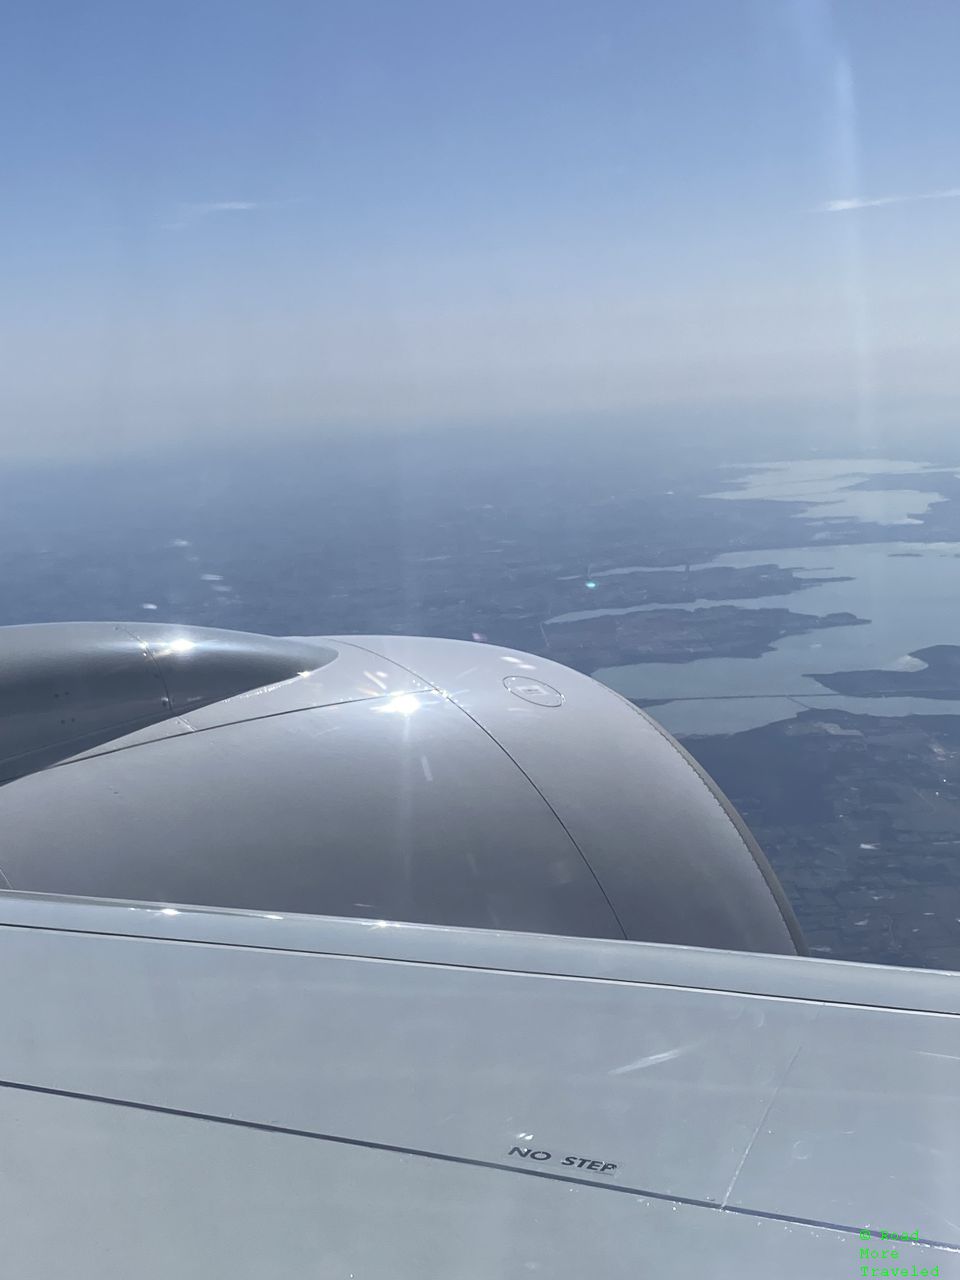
(601, 1052)
(233, 1094)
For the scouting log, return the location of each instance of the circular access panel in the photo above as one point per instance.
(535, 691)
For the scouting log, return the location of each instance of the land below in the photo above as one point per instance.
(680, 635)
(860, 815)
(938, 677)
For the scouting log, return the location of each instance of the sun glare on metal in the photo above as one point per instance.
(403, 704)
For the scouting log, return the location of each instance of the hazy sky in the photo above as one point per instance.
(235, 217)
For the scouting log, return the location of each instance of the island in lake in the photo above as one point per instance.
(679, 635)
(630, 587)
(937, 677)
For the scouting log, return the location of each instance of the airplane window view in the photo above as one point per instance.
(481, 494)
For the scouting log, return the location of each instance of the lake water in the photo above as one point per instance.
(826, 487)
(911, 601)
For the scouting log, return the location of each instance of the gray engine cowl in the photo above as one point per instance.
(437, 781)
(68, 686)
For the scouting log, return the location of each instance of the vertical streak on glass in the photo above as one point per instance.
(855, 283)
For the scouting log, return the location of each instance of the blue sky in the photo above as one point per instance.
(229, 218)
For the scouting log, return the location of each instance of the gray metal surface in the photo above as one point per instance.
(198, 1107)
(354, 809)
(827, 981)
(138, 1195)
(627, 793)
(67, 686)
(353, 677)
(437, 781)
